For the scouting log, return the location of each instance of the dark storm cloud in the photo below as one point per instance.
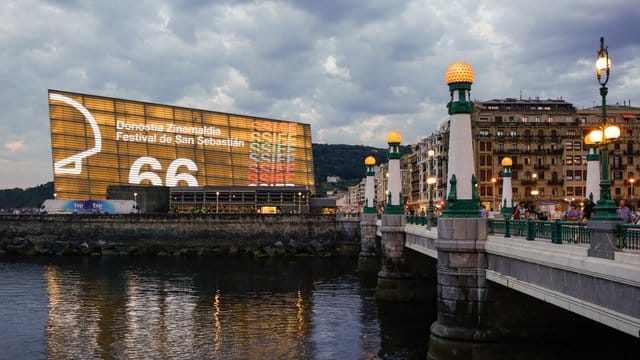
(353, 70)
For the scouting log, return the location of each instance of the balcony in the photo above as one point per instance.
(555, 182)
(541, 167)
(528, 182)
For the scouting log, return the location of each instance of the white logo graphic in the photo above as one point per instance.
(76, 160)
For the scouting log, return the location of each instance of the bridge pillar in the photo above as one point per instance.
(395, 281)
(603, 238)
(369, 257)
(463, 292)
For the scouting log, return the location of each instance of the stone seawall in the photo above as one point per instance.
(176, 234)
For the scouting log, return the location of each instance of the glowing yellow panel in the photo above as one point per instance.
(98, 141)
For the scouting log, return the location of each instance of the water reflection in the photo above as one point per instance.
(215, 309)
(79, 308)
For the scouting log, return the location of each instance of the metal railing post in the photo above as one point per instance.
(555, 232)
(507, 228)
(531, 230)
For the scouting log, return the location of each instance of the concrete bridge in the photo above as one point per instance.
(604, 290)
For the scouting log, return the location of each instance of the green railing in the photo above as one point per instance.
(558, 232)
(629, 236)
(422, 220)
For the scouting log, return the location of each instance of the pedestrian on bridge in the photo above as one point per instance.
(623, 212)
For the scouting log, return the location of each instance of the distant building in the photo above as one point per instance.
(544, 138)
(334, 179)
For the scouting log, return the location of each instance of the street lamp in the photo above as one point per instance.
(217, 200)
(493, 192)
(299, 202)
(135, 199)
(605, 208)
(55, 196)
(632, 181)
(430, 182)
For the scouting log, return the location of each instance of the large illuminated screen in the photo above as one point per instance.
(99, 141)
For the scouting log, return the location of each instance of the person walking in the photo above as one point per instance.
(556, 213)
(574, 214)
(588, 209)
(623, 212)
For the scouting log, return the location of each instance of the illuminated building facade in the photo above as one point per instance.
(99, 141)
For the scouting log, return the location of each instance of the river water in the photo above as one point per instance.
(210, 308)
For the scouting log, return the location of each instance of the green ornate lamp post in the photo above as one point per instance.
(462, 199)
(507, 192)
(369, 187)
(394, 199)
(603, 225)
(605, 208)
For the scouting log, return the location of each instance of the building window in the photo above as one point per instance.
(569, 190)
(571, 133)
(577, 146)
(554, 161)
(617, 161)
(500, 133)
(514, 146)
(568, 146)
(577, 175)
(500, 147)
(569, 160)
(489, 145)
(550, 119)
(617, 175)
(577, 160)
(484, 132)
(569, 175)
(525, 119)
(527, 160)
(482, 147)
(513, 133)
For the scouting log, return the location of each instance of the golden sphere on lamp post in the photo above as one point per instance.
(370, 160)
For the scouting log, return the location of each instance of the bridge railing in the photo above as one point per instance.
(629, 236)
(422, 220)
(558, 232)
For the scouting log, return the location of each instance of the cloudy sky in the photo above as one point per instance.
(354, 70)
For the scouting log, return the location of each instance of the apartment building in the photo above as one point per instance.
(545, 140)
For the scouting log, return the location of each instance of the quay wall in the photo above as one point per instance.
(171, 234)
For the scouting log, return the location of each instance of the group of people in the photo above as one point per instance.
(575, 213)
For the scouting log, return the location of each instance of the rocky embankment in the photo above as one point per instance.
(52, 246)
(175, 235)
